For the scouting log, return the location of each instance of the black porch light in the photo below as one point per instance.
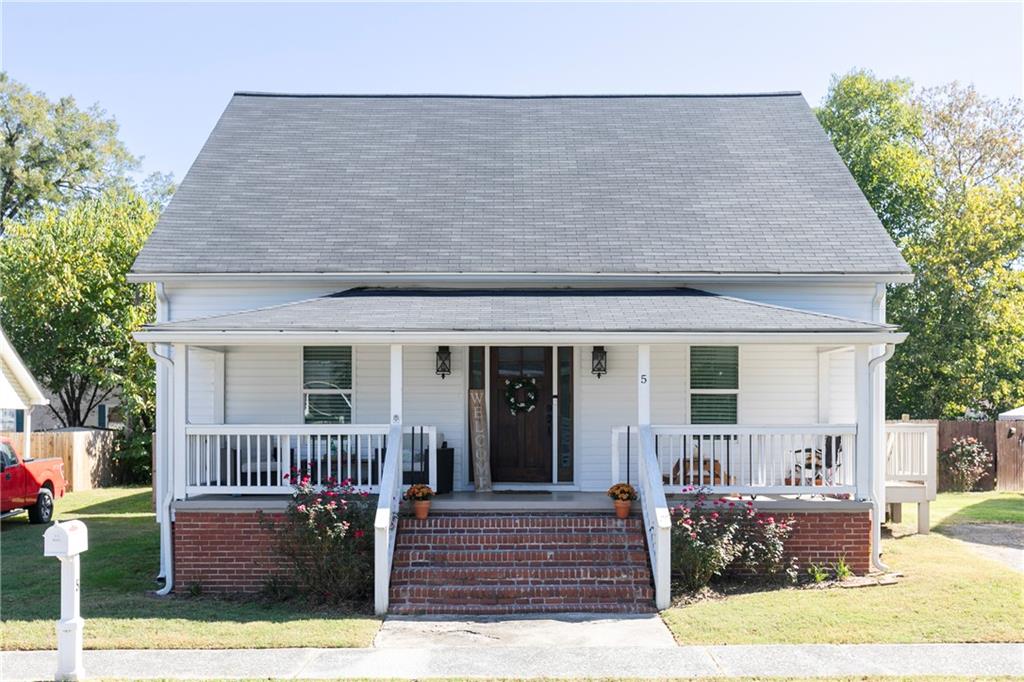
(444, 361)
(599, 361)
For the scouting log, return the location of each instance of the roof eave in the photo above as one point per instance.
(457, 337)
(537, 278)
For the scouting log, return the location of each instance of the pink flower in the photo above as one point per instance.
(714, 515)
(359, 533)
(301, 508)
(693, 536)
(750, 503)
(732, 504)
(771, 519)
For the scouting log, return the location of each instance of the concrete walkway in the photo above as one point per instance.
(552, 661)
(1002, 542)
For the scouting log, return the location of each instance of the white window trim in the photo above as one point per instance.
(348, 394)
(690, 392)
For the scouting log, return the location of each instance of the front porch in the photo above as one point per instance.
(664, 389)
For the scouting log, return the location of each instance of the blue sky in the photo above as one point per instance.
(166, 71)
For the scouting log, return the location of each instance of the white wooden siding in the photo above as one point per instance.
(842, 404)
(202, 387)
(601, 404)
(191, 301)
(263, 385)
(430, 400)
(778, 385)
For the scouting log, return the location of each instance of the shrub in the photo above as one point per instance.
(966, 461)
(818, 574)
(132, 458)
(327, 535)
(418, 492)
(709, 539)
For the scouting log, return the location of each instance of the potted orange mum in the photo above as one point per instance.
(419, 494)
(622, 495)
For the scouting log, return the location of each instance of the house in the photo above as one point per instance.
(564, 292)
(20, 394)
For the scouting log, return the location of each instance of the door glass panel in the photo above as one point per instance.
(476, 367)
(509, 362)
(533, 361)
(565, 410)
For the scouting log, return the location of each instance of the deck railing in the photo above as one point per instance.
(260, 459)
(657, 520)
(911, 451)
(385, 524)
(816, 458)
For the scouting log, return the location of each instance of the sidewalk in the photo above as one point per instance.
(812, 660)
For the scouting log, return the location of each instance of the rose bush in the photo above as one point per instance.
(710, 538)
(966, 460)
(327, 536)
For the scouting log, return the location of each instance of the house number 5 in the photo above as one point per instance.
(643, 378)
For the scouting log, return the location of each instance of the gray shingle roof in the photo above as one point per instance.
(662, 310)
(437, 184)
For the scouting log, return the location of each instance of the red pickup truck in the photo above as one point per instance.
(31, 484)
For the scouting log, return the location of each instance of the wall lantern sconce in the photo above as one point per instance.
(599, 361)
(444, 361)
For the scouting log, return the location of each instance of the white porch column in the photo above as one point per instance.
(396, 384)
(643, 385)
(865, 435)
(179, 453)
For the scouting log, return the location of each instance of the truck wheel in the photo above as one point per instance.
(42, 510)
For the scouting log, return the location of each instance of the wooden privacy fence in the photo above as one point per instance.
(86, 454)
(1004, 439)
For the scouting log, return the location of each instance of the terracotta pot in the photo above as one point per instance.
(421, 508)
(622, 508)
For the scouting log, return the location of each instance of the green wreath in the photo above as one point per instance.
(512, 388)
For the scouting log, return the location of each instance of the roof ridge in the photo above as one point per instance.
(299, 95)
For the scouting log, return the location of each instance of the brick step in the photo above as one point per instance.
(422, 609)
(501, 595)
(518, 540)
(474, 522)
(519, 557)
(522, 575)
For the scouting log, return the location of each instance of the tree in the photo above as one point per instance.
(52, 153)
(67, 305)
(944, 169)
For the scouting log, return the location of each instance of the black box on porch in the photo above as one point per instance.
(419, 472)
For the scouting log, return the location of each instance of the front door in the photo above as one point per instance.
(521, 440)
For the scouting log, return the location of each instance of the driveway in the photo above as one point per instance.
(1002, 542)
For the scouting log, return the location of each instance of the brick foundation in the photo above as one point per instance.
(224, 552)
(231, 552)
(824, 537)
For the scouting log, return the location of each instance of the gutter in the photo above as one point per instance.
(876, 501)
(166, 541)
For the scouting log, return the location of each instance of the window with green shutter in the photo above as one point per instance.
(327, 384)
(714, 384)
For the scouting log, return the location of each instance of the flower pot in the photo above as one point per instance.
(622, 508)
(421, 508)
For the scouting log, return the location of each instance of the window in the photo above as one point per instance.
(714, 384)
(7, 457)
(327, 384)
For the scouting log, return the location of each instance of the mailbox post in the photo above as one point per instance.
(66, 541)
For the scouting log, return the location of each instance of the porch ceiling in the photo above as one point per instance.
(439, 311)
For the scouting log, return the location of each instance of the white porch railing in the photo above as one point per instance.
(385, 523)
(911, 451)
(817, 458)
(657, 520)
(258, 459)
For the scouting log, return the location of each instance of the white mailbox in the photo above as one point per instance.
(65, 539)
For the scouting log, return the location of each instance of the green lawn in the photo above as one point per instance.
(117, 585)
(948, 594)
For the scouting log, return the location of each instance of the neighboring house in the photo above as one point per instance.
(673, 290)
(106, 415)
(19, 396)
(1016, 414)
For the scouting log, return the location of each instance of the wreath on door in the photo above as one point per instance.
(513, 387)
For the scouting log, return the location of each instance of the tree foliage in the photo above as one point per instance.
(52, 153)
(67, 306)
(944, 169)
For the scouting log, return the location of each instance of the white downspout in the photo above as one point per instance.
(165, 462)
(878, 475)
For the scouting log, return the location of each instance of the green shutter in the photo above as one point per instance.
(327, 367)
(712, 408)
(715, 367)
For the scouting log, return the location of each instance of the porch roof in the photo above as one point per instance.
(440, 311)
